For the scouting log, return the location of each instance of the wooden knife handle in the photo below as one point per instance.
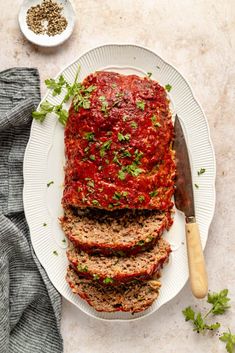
(196, 262)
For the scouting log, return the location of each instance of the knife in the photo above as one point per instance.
(184, 201)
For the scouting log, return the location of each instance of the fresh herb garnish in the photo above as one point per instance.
(168, 87)
(56, 86)
(64, 241)
(122, 137)
(155, 122)
(138, 156)
(229, 339)
(117, 195)
(82, 268)
(196, 186)
(140, 242)
(153, 193)
(92, 157)
(104, 104)
(105, 146)
(89, 136)
(133, 124)
(201, 171)
(45, 108)
(219, 302)
(44, 224)
(115, 158)
(108, 280)
(50, 183)
(125, 117)
(149, 74)
(126, 154)
(91, 183)
(80, 93)
(95, 202)
(121, 174)
(55, 252)
(141, 198)
(140, 104)
(96, 277)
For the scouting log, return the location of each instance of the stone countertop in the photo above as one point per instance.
(198, 38)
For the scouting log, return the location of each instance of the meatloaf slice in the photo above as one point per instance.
(115, 270)
(134, 297)
(122, 231)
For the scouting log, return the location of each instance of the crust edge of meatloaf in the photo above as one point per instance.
(143, 274)
(152, 286)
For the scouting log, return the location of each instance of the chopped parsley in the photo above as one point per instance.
(89, 136)
(125, 117)
(140, 104)
(141, 198)
(50, 183)
(55, 253)
(113, 85)
(201, 171)
(117, 195)
(196, 186)
(131, 169)
(122, 137)
(126, 153)
(168, 87)
(82, 268)
(104, 105)
(96, 277)
(64, 241)
(92, 157)
(105, 146)
(138, 156)
(95, 202)
(91, 183)
(153, 193)
(149, 74)
(121, 175)
(140, 242)
(108, 280)
(44, 224)
(155, 122)
(134, 125)
(82, 97)
(115, 158)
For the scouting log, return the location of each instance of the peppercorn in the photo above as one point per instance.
(46, 18)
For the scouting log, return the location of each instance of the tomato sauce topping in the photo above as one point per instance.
(118, 145)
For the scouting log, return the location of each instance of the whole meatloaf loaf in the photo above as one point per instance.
(118, 140)
(134, 297)
(115, 270)
(117, 232)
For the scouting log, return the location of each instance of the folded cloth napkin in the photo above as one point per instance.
(30, 307)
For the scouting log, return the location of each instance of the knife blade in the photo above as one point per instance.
(184, 201)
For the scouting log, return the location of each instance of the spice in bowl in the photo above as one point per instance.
(46, 18)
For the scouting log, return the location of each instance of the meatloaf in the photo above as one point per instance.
(118, 141)
(116, 232)
(115, 270)
(134, 297)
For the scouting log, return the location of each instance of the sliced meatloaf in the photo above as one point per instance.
(134, 297)
(128, 231)
(115, 270)
(118, 141)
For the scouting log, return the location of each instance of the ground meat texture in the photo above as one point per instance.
(118, 151)
(122, 231)
(114, 270)
(135, 297)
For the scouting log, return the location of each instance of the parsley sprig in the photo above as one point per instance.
(76, 90)
(219, 302)
(229, 339)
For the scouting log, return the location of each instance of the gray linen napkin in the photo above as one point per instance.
(30, 307)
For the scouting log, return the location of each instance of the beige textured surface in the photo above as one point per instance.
(198, 37)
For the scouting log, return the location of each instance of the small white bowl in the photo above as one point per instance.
(43, 39)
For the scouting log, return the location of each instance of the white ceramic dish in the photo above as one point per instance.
(43, 39)
(44, 160)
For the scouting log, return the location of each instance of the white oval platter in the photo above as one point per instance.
(44, 161)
